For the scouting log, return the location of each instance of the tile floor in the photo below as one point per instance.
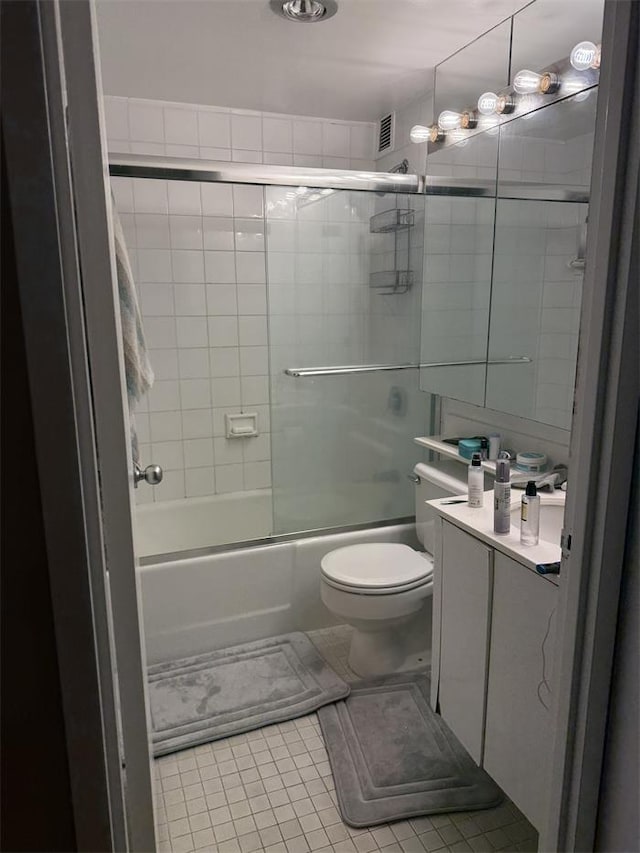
(272, 790)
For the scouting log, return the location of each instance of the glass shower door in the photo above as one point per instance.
(343, 276)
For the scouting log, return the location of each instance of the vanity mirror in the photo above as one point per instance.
(504, 260)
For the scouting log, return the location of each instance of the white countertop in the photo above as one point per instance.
(479, 523)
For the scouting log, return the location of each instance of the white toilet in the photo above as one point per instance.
(384, 589)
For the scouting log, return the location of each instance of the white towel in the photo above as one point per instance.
(138, 372)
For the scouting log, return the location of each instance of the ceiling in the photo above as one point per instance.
(372, 56)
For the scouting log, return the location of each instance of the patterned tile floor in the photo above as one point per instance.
(272, 790)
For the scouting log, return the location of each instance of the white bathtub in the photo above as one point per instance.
(190, 523)
(200, 603)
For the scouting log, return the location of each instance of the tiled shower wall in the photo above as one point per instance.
(198, 254)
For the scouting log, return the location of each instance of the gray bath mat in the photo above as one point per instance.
(393, 758)
(230, 691)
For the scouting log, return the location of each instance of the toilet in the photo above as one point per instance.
(384, 589)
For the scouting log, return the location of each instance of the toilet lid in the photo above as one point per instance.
(380, 565)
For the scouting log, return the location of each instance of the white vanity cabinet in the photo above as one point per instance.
(493, 639)
(518, 729)
(464, 595)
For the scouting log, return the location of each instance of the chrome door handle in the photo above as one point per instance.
(152, 474)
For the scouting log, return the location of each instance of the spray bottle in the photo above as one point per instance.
(502, 495)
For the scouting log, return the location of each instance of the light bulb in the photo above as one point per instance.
(487, 103)
(526, 82)
(419, 133)
(449, 120)
(585, 55)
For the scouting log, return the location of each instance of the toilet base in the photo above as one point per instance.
(396, 649)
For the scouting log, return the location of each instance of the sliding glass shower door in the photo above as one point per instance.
(343, 287)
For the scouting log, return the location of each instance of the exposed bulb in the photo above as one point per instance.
(585, 55)
(528, 82)
(487, 103)
(419, 133)
(449, 120)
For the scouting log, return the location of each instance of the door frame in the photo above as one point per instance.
(57, 176)
(601, 445)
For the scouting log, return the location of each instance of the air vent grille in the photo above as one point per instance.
(385, 132)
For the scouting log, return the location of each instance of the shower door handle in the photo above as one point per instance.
(152, 474)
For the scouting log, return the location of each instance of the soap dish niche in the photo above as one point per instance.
(244, 425)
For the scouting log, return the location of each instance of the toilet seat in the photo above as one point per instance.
(382, 568)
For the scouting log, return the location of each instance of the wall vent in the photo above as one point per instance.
(386, 128)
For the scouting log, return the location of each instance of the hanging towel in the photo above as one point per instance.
(138, 372)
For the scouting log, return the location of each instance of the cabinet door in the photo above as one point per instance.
(464, 636)
(519, 732)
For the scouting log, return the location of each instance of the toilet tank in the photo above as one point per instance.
(437, 480)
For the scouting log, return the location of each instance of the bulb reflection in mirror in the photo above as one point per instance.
(585, 55)
(419, 133)
(449, 120)
(487, 103)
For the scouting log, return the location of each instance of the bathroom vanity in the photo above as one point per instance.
(494, 622)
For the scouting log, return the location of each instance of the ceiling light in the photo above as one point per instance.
(419, 133)
(304, 11)
(585, 55)
(487, 103)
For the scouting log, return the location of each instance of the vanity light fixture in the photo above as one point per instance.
(420, 133)
(585, 55)
(487, 103)
(506, 104)
(436, 134)
(528, 82)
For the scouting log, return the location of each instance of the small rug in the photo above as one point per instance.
(230, 691)
(392, 758)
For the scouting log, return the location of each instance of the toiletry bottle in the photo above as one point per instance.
(475, 480)
(530, 515)
(494, 446)
(502, 495)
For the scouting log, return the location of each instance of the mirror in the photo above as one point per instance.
(458, 246)
(511, 268)
(481, 66)
(546, 31)
(539, 262)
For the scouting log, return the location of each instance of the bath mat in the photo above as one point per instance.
(199, 699)
(392, 758)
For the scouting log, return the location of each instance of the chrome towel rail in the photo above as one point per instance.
(344, 369)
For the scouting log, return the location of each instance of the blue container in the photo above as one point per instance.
(468, 446)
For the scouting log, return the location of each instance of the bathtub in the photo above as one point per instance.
(195, 604)
(191, 523)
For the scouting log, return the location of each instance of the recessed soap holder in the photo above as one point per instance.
(242, 425)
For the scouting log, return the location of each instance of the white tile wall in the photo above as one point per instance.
(141, 126)
(199, 257)
(202, 289)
